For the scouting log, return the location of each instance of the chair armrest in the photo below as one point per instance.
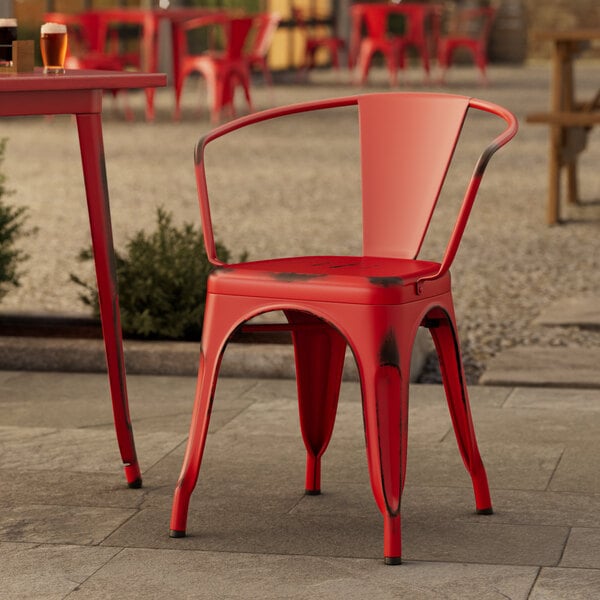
(226, 128)
(467, 203)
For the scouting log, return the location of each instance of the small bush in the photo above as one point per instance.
(162, 282)
(12, 222)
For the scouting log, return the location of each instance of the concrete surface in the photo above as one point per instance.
(70, 528)
(564, 366)
(170, 358)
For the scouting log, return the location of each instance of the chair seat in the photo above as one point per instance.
(349, 279)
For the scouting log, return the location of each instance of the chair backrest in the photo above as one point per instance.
(237, 30)
(233, 30)
(375, 18)
(82, 29)
(264, 27)
(407, 141)
(474, 23)
(181, 29)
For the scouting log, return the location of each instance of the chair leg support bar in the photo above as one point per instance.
(312, 486)
(179, 514)
(133, 475)
(392, 539)
(176, 533)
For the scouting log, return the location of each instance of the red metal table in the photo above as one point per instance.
(79, 93)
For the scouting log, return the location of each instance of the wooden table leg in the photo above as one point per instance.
(94, 171)
(572, 187)
(553, 213)
(568, 104)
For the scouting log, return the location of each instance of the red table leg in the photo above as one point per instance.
(94, 171)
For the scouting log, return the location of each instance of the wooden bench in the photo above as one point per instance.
(566, 119)
(569, 133)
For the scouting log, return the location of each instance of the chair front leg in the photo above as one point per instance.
(385, 387)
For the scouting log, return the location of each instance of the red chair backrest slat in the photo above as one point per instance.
(407, 142)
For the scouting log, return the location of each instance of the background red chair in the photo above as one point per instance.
(377, 39)
(221, 62)
(314, 42)
(374, 302)
(263, 29)
(469, 29)
(94, 43)
(419, 23)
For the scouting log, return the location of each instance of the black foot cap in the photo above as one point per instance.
(393, 560)
(312, 492)
(485, 511)
(176, 533)
(135, 485)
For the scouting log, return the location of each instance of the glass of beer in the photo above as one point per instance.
(8, 34)
(53, 44)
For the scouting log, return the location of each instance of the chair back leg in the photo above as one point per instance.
(442, 327)
(319, 351)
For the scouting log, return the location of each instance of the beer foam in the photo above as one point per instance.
(53, 28)
(8, 22)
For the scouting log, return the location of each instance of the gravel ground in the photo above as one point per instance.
(295, 189)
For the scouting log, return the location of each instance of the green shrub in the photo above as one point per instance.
(162, 282)
(12, 222)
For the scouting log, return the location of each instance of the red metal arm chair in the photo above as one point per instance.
(313, 43)
(374, 18)
(374, 302)
(136, 53)
(419, 22)
(223, 69)
(469, 29)
(93, 44)
(264, 28)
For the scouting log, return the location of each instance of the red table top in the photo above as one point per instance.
(79, 80)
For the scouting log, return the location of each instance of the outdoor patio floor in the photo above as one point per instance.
(70, 528)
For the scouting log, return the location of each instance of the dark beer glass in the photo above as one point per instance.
(8, 34)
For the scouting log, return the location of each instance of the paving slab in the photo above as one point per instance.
(48, 524)
(552, 399)
(576, 475)
(157, 574)
(67, 488)
(516, 465)
(351, 535)
(48, 572)
(572, 367)
(583, 549)
(75, 450)
(575, 584)
(250, 524)
(581, 310)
